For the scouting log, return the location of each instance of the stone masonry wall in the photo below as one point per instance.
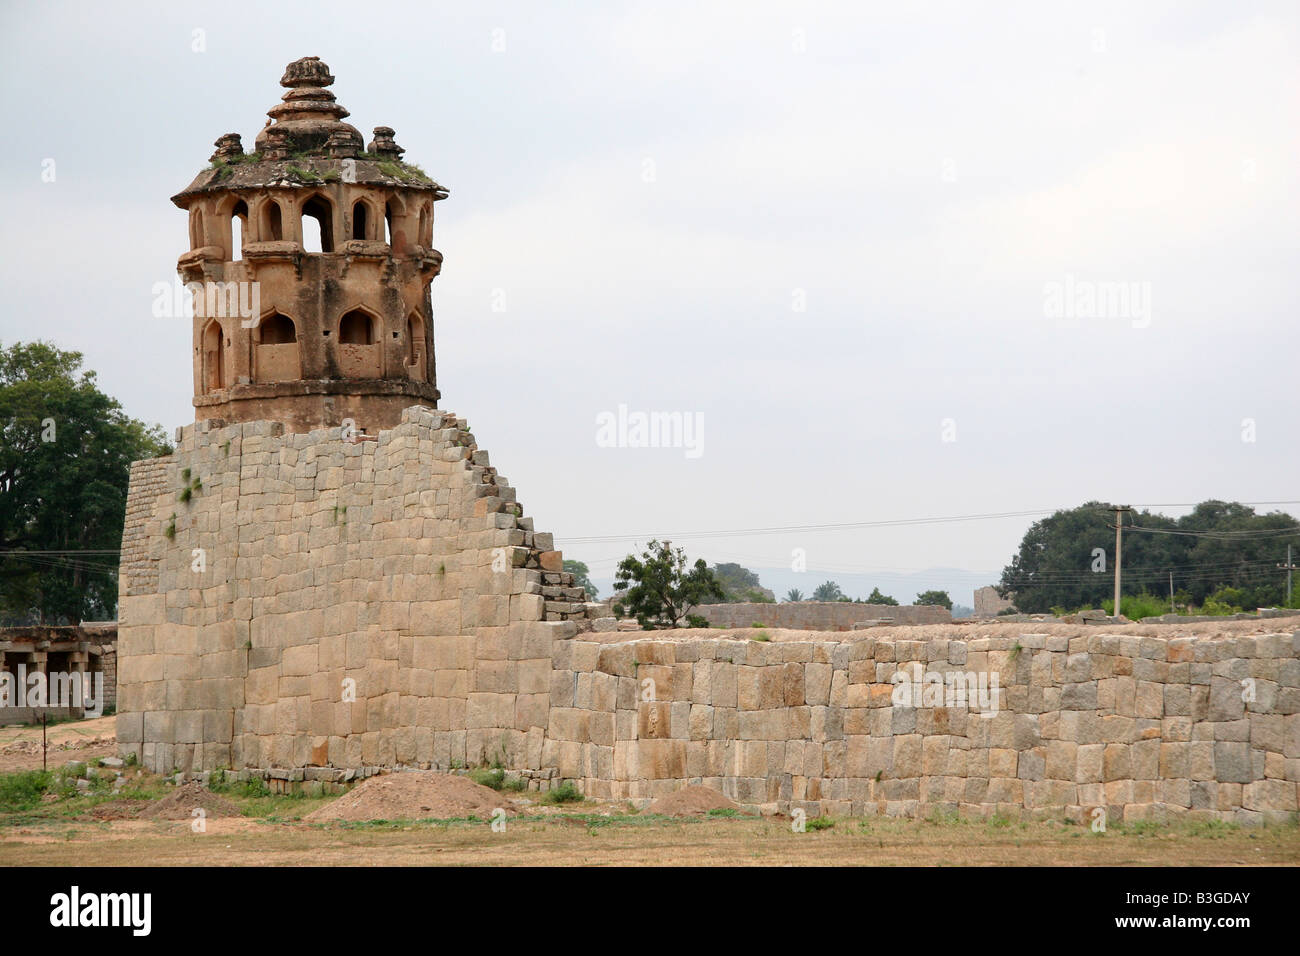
(819, 615)
(1144, 727)
(320, 602)
(320, 606)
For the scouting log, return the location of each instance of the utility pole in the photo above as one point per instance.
(1288, 567)
(1171, 593)
(1119, 544)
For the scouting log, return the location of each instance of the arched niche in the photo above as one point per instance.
(214, 357)
(276, 356)
(415, 359)
(360, 351)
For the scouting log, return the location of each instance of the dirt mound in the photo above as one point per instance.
(413, 795)
(691, 801)
(120, 809)
(188, 797)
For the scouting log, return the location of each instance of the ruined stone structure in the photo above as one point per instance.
(85, 649)
(301, 602)
(820, 615)
(344, 331)
(989, 603)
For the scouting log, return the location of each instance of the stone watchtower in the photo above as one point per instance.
(316, 258)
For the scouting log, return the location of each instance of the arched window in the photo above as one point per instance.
(388, 223)
(238, 226)
(276, 357)
(277, 329)
(214, 357)
(319, 238)
(426, 231)
(356, 328)
(272, 222)
(359, 220)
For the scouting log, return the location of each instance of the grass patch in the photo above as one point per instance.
(819, 823)
(253, 788)
(23, 790)
(565, 793)
(495, 779)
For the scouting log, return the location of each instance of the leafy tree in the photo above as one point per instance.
(875, 597)
(740, 585)
(939, 598)
(794, 595)
(580, 573)
(1065, 560)
(830, 591)
(65, 456)
(662, 590)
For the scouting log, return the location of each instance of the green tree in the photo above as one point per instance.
(581, 579)
(739, 584)
(875, 597)
(829, 591)
(65, 456)
(939, 598)
(662, 589)
(1066, 559)
(794, 595)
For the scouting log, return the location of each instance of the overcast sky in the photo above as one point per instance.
(838, 235)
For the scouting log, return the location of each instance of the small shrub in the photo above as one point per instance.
(488, 778)
(24, 789)
(564, 793)
(761, 636)
(819, 823)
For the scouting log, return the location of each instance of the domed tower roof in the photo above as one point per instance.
(310, 260)
(305, 141)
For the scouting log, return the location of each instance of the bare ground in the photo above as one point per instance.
(81, 740)
(590, 840)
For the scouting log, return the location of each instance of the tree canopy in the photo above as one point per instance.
(739, 584)
(939, 598)
(663, 590)
(65, 456)
(1066, 559)
(829, 591)
(582, 577)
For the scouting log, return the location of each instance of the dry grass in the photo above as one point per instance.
(585, 837)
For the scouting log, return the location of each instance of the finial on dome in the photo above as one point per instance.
(383, 144)
(228, 146)
(307, 71)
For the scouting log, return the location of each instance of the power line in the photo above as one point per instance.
(1248, 533)
(852, 525)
